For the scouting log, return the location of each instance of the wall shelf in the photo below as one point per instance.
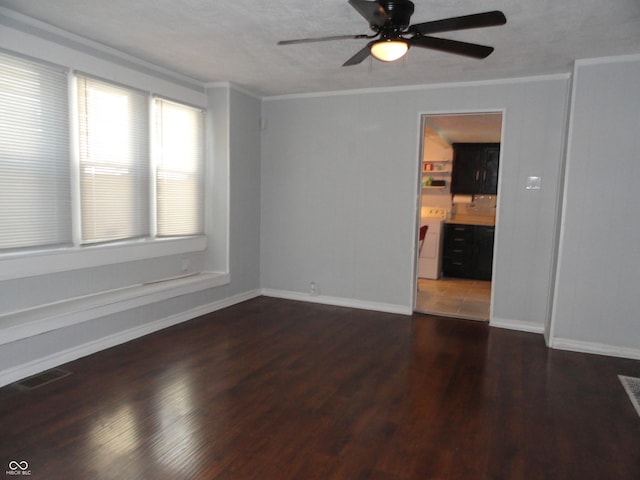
(442, 167)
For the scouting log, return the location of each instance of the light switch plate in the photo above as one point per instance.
(534, 183)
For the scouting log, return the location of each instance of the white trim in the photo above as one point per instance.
(610, 59)
(560, 201)
(519, 325)
(432, 86)
(35, 321)
(417, 221)
(595, 348)
(468, 111)
(74, 156)
(152, 181)
(14, 374)
(338, 301)
(560, 212)
(463, 111)
(32, 263)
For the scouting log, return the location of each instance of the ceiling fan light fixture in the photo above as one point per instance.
(389, 50)
(394, 33)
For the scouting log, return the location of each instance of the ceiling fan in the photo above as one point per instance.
(390, 19)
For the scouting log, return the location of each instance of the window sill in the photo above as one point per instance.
(35, 321)
(29, 264)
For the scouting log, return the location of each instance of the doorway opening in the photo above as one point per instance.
(459, 164)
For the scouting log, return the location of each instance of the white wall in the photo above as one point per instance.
(328, 194)
(597, 301)
(339, 192)
(244, 228)
(234, 196)
(92, 322)
(235, 121)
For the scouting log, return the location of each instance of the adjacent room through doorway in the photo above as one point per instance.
(459, 161)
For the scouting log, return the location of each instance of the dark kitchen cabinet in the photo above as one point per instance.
(468, 251)
(475, 168)
(457, 260)
(484, 252)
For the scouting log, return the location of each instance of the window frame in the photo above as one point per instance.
(37, 260)
(202, 179)
(36, 65)
(147, 212)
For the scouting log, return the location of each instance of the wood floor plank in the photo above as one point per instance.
(275, 389)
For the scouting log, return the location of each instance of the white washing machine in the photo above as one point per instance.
(430, 259)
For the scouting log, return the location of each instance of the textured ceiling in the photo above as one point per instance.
(235, 40)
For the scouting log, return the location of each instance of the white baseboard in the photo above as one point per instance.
(338, 301)
(595, 348)
(568, 344)
(14, 374)
(519, 325)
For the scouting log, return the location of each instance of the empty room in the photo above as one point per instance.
(340, 240)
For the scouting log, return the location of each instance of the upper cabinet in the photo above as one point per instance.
(475, 168)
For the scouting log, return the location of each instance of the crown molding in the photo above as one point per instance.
(233, 86)
(433, 86)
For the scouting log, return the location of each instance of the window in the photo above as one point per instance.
(114, 189)
(35, 190)
(113, 131)
(179, 164)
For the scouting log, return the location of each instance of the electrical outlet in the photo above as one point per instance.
(313, 289)
(185, 263)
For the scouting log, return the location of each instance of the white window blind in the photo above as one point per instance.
(179, 165)
(35, 200)
(113, 127)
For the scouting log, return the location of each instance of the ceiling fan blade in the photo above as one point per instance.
(477, 20)
(371, 11)
(451, 46)
(322, 39)
(360, 56)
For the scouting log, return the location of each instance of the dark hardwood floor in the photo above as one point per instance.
(275, 390)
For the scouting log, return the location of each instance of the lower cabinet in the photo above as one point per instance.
(468, 251)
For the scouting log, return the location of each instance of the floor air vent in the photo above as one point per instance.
(41, 379)
(632, 386)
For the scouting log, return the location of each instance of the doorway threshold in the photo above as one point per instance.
(456, 315)
(454, 297)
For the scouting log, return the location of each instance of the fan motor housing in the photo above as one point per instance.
(399, 12)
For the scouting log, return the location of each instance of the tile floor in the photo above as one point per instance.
(454, 297)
